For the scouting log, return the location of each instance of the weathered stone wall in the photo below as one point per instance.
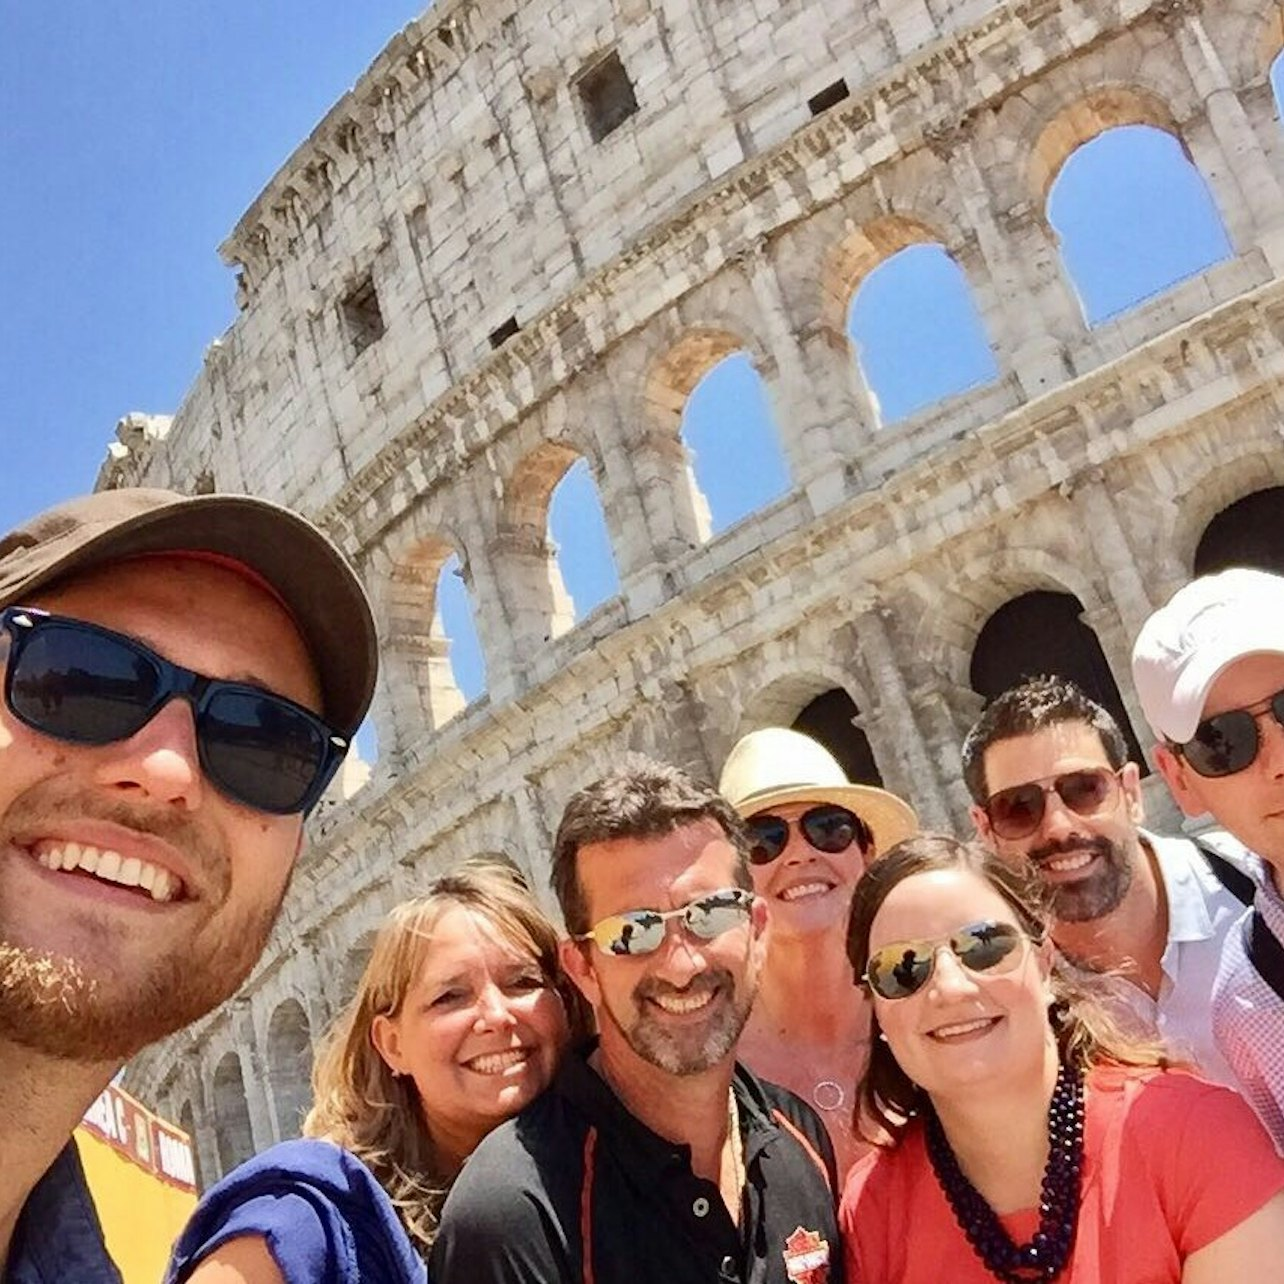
(461, 181)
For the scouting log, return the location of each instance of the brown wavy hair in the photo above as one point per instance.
(359, 1103)
(1086, 1033)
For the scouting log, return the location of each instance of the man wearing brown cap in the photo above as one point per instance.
(181, 679)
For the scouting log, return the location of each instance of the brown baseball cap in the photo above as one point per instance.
(297, 561)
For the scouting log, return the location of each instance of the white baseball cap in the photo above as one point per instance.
(1204, 628)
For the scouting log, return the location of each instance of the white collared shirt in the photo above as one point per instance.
(1201, 913)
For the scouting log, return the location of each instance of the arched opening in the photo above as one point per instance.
(1134, 217)
(1277, 84)
(457, 625)
(727, 426)
(1041, 632)
(232, 1132)
(1249, 532)
(580, 540)
(831, 719)
(917, 333)
(289, 1053)
(187, 1122)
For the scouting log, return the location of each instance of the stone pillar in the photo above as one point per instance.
(804, 383)
(910, 23)
(1247, 189)
(1035, 352)
(254, 1076)
(203, 1128)
(900, 705)
(1115, 558)
(537, 843)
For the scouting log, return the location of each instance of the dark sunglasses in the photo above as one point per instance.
(828, 828)
(1018, 812)
(899, 970)
(642, 931)
(1228, 742)
(84, 684)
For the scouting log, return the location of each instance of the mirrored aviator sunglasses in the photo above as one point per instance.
(900, 970)
(84, 684)
(1228, 742)
(1017, 812)
(829, 828)
(642, 931)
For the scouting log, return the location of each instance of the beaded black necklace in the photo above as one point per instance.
(1045, 1256)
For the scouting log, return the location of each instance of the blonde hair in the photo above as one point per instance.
(1085, 1031)
(359, 1103)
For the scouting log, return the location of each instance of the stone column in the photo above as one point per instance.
(1247, 189)
(203, 1142)
(900, 707)
(537, 843)
(803, 385)
(1116, 559)
(254, 1076)
(1034, 348)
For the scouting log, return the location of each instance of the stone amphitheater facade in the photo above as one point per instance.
(521, 240)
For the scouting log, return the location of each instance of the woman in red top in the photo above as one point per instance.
(1020, 1136)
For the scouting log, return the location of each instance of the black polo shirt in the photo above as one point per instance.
(576, 1191)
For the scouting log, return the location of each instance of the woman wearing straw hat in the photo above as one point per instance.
(812, 833)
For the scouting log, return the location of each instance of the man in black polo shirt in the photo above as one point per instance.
(653, 1156)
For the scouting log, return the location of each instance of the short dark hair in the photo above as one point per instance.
(1031, 706)
(642, 798)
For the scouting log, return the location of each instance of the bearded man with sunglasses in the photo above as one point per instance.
(1209, 669)
(653, 1158)
(181, 680)
(811, 834)
(1052, 786)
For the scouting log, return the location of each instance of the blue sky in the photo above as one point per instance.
(136, 135)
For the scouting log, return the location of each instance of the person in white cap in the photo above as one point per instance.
(812, 833)
(1209, 670)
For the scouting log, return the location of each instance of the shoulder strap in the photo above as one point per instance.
(1265, 952)
(1231, 877)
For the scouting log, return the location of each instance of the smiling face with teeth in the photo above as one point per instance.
(807, 891)
(480, 1030)
(134, 897)
(681, 1008)
(964, 1031)
(1087, 863)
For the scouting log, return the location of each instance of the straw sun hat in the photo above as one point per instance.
(776, 766)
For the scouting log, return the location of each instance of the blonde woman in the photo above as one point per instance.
(459, 1021)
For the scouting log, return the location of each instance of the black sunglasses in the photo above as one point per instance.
(1017, 812)
(84, 684)
(828, 828)
(1228, 742)
(899, 970)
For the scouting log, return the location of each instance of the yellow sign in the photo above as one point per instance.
(142, 1176)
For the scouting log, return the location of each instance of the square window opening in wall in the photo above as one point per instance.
(501, 334)
(607, 94)
(828, 97)
(362, 317)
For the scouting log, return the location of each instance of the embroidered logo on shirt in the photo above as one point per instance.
(807, 1257)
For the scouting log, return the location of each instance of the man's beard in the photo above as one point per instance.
(59, 1005)
(1100, 892)
(688, 1051)
(51, 1005)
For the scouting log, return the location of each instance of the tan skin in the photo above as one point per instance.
(810, 1023)
(1130, 939)
(991, 1087)
(666, 873)
(1250, 803)
(145, 797)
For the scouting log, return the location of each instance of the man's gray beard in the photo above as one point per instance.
(1101, 894)
(659, 1047)
(50, 1005)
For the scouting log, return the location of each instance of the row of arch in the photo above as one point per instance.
(708, 393)
(1035, 632)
